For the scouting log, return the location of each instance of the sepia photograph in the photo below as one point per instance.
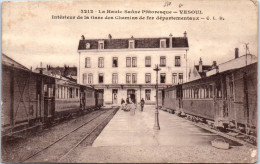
(127, 81)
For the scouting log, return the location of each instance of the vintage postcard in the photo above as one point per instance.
(160, 81)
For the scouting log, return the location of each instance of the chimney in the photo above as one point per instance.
(109, 36)
(200, 66)
(236, 53)
(170, 43)
(185, 34)
(214, 65)
(82, 37)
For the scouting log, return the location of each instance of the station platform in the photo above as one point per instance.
(129, 138)
(137, 130)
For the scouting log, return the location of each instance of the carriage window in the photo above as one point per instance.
(45, 90)
(57, 91)
(231, 88)
(70, 92)
(207, 92)
(211, 91)
(50, 94)
(218, 91)
(196, 93)
(77, 92)
(147, 94)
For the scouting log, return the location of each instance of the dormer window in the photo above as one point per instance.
(163, 43)
(101, 44)
(131, 44)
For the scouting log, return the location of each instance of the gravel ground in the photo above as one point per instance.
(18, 149)
(190, 154)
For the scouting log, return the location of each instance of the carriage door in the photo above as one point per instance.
(230, 97)
(114, 96)
(225, 98)
(220, 101)
(48, 100)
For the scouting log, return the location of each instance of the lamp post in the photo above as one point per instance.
(156, 122)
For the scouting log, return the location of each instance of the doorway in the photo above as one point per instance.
(131, 94)
(114, 96)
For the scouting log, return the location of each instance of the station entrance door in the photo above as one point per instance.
(131, 93)
(114, 96)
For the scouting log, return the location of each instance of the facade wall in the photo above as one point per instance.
(140, 70)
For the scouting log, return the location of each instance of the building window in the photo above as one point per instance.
(101, 62)
(147, 94)
(134, 62)
(128, 62)
(90, 78)
(134, 78)
(148, 61)
(101, 44)
(163, 43)
(177, 61)
(174, 78)
(87, 62)
(147, 78)
(101, 78)
(128, 78)
(163, 77)
(84, 79)
(131, 44)
(114, 78)
(180, 78)
(115, 62)
(162, 61)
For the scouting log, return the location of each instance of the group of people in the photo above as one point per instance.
(130, 106)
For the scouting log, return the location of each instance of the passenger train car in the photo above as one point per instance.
(31, 100)
(227, 99)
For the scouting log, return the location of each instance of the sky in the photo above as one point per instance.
(31, 36)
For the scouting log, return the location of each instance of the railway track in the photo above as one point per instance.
(70, 136)
(238, 137)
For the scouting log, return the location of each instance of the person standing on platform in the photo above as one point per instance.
(142, 104)
(123, 104)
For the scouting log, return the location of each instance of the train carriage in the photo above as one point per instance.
(21, 98)
(31, 99)
(67, 97)
(227, 99)
(88, 98)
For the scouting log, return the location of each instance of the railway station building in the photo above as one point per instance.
(123, 68)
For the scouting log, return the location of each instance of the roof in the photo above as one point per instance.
(10, 62)
(205, 68)
(139, 43)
